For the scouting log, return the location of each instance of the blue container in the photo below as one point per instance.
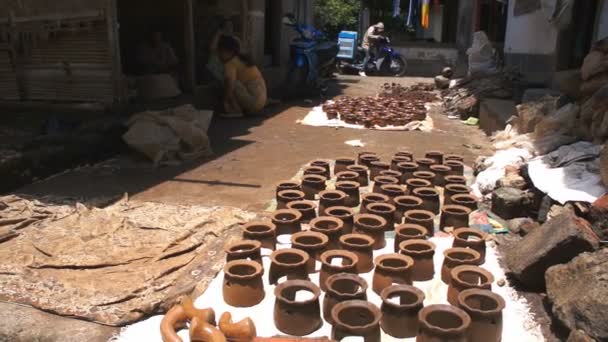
(347, 41)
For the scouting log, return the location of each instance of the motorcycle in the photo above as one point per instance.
(386, 61)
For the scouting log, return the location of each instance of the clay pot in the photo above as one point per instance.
(287, 221)
(351, 189)
(392, 191)
(313, 244)
(422, 251)
(312, 185)
(430, 199)
(442, 323)
(377, 166)
(345, 214)
(384, 210)
(415, 183)
(308, 209)
(471, 238)
(362, 171)
(423, 218)
(244, 250)
(347, 176)
(372, 226)
(362, 246)
(392, 269)
(399, 159)
(457, 167)
(331, 198)
(405, 203)
(426, 175)
(264, 232)
(455, 216)
(468, 277)
(364, 153)
(379, 181)
(356, 318)
(342, 163)
(400, 307)
(330, 226)
(440, 171)
(451, 179)
(405, 153)
(315, 170)
(243, 286)
(485, 309)
(372, 197)
(342, 287)
(367, 159)
(454, 189)
(329, 267)
(409, 231)
(455, 157)
(465, 200)
(287, 196)
(324, 164)
(290, 263)
(297, 317)
(407, 169)
(424, 164)
(437, 156)
(456, 256)
(288, 185)
(391, 173)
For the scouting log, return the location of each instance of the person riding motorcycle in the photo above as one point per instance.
(370, 43)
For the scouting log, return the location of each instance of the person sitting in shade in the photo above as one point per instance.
(155, 56)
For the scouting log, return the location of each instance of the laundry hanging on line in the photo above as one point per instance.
(424, 20)
(396, 8)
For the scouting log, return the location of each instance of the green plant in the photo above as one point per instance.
(333, 16)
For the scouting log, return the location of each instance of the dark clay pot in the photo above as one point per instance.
(455, 157)
(442, 323)
(356, 318)
(290, 263)
(440, 171)
(312, 185)
(287, 221)
(367, 159)
(400, 307)
(288, 185)
(471, 238)
(424, 218)
(451, 179)
(297, 317)
(406, 203)
(405, 153)
(426, 175)
(457, 167)
(342, 287)
(379, 181)
(264, 232)
(392, 173)
(392, 269)
(308, 209)
(399, 159)
(376, 167)
(315, 170)
(430, 199)
(468, 277)
(415, 183)
(407, 169)
(437, 156)
(347, 176)
(313, 243)
(392, 191)
(330, 226)
(485, 309)
(372, 197)
(456, 256)
(342, 163)
(347, 215)
(243, 286)
(455, 216)
(362, 246)
(454, 189)
(409, 231)
(351, 189)
(384, 210)
(244, 250)
(329, 267)
(362, 171)
(364, 153)
(422, 251)
(465, 200)
(331, 198)
(372, 226)
(324, 164)
(286, 196)
(424, 164)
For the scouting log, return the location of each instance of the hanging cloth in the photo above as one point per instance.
(410, 13)
(424, 19)
(396, 8)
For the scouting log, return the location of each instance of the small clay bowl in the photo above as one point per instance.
(409, 231)
(384, 210)
(376, 167)
(455, 157)
(349, 176)
(406, 203)
(441, 322)
(457, 167)
(451, 179)
(372, 197)
(392, 269)
(392, 173)
(399, 159)
(430, 199)
(243, 286)
(289, 262)
(287, 221)
(455, 216)
(415, 183)
(465, 200)
(288, 185)
(330, 226)
(485, 309)
(293, 316)
(400, 307)
(457, 256)
(324, 164)
(363, 247)
(424, 218)
(262, 231)
(312, 243)
(424, 164)
(356, 318)
(454, 189)
(345, 214)
(342, 287)
(331, 198)
(426, 175)
(407, 169)
(468, 277)
(471, 238)
(244, 250)
(392, 191)
(437, 156)
(362, 171)
(315, 170)
(308, 209)
(440, 171)
(342, 163)
(329, 267)
(351, 189)
(372, 226)
(367, 159)
(286, 196)
(422, 251)
(383, 180)
(312, 185)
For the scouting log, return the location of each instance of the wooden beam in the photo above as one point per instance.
(114, 48)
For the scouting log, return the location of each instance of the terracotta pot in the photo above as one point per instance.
(349, 176)
(313, 244)
(455, 157)
(244, 250)
(379, 181)
(243, 286)
(424, 164)
(457, 167)
(405, 153)
(392, 191)
(308, 209)
(312, 185)
(437, 156)
(451, 179)
(342, 287)
(315, 170)
(287, 196)
(362, 246)
(329, 267)
(290, 263)
(288, 185)
(454, 189)
(330, 226)
(356, 318)
(430, 199)
(392, 173)
(440, 171)
(372, 197)
(422, 251)
(264, 232)
(287, 221)
(367, 159)
(415, 183)
(407, 169)
(406, 203)
(377, 166)
(331, 198)
(392, 269)
(345, 214)
(400, 307)
(293, 316)
(471, 238)
(465, 200)
(399, 159)
(409, 231)
(362, 171)
(455, 216)
(426, 175)
(372, 226)
(324, 164)
(351, 189)
(424, 218)
(442, 323)
(485, 309)
(364, 153)
(468, 277)
(342, 163)
(457, 256)
(384, 210)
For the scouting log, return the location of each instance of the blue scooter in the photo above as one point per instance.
(386, 61)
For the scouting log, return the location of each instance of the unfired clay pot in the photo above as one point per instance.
(372, 197)
(409, 231)
(342, 163)
(430, 199)
(332, 227)
(392, 191)
(454, 189)
(351, 189)
(392, 269)
(377, 166)
(407, 169)
(399, 159)
(244, 250)
(471, 238)
(457, 167)
(347, 176)
(451, 179)
(315, 170)
(313, 244)
(287, 196)
(424, 164)
(356, 318)
(391, 173)
(455, 216)
(455, 157)
(406, 203)
(312, 185)
(367, 159)
(364, 153)
(308, 209)
(329, 267)
(422, 251)
(363, 247)
(372, 226)
(415, 183)
(362, 171)
(465, 200)
(264, 232)
(379, 181)
(297, 317)
(243, 286)
(426, 175)
(441, 322)
(440, 171)
(468, 277)
(485, 309)
(331, 198)
(342, 287)
(347, 215)
(405, 153)
(424, 218)
(457, 256)
(324, 164)
(290, 262)
(437, 156)
(400, 307)
(384, 210)
(287, 221)
(288, 185)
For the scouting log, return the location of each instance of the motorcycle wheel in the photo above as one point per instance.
(339, 67)
(398, 66)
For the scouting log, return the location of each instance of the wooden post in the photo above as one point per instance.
(114, 49)
(189, 45)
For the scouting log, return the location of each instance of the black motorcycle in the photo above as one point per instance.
(386, 62)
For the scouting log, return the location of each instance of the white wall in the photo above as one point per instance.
(530, 33)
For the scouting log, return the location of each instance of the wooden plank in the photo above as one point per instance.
(114, 48)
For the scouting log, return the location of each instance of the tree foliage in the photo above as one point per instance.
(333, 16)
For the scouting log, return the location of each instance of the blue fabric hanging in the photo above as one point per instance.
(410, 13)
(396, 8)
